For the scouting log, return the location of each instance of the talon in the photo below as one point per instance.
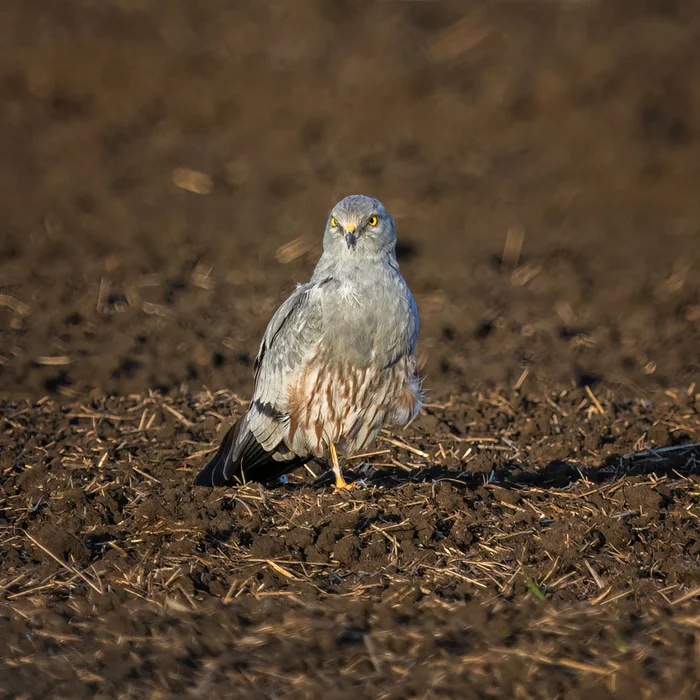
(342, 485)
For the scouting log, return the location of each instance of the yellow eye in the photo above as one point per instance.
(372, 221)
(334, 223)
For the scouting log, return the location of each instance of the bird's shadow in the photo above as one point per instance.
(677, 461)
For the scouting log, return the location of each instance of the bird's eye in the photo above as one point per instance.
(334, 223)
(372, 221)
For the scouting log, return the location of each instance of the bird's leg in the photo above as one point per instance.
(340, 483)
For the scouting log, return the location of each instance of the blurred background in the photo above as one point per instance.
(167, 167)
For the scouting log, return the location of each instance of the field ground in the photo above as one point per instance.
(166, 173)
(470, 560)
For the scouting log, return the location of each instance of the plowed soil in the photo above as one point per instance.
(166, 172)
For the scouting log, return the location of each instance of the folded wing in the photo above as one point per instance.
(254, 449)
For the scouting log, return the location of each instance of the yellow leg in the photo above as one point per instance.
(340, 483)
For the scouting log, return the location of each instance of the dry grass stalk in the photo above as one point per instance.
(192, 181)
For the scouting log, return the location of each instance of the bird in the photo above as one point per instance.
(337, 362)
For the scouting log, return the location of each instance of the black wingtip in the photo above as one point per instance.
(209, 474)
(213, 473)
(252, 462)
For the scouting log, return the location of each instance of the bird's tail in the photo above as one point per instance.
(241, 458)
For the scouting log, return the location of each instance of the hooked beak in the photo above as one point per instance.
(351, 237)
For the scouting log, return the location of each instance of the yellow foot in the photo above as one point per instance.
(341, 484)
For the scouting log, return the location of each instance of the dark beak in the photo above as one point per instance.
(351, 239)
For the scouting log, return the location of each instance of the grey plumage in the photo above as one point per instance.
(337, 360)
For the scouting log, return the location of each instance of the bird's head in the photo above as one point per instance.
(360, 226)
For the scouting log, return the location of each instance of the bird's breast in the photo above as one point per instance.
(366, 321)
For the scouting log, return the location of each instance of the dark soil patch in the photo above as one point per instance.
(468, 559)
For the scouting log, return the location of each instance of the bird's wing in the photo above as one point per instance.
(240, 458)
(290, 341)
(297, 302)
(249, 451)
